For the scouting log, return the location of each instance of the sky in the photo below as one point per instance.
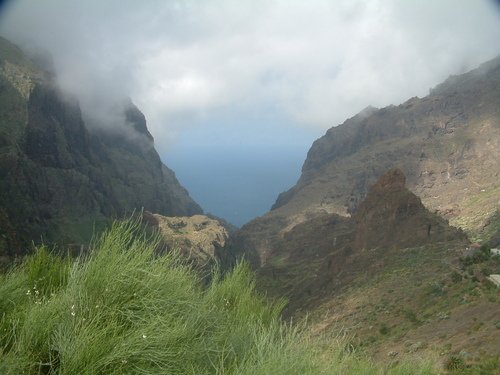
(235, 92)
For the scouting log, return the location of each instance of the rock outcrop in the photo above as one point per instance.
(199, 238)
(60, 177)
(392, 216)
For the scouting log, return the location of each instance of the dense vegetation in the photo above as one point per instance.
(124, 308)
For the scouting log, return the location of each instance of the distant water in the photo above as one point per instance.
(239, 176)
(237, 186)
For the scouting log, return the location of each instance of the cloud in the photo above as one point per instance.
(313, 62)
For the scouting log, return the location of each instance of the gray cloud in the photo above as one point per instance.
(314, 62)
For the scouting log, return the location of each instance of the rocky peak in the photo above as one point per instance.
(391, 215)
(326, 252)
(136, 118)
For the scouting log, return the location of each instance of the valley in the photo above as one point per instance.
(384, 241)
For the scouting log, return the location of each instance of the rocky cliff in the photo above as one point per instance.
(59, 177)
(362, 244)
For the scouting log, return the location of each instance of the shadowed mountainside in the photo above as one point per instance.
(58, 176)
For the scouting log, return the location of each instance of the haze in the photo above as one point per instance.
(235, 92)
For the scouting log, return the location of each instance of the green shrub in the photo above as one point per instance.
(454, 362)
(456, 277)
(435, 289)
(384, 330)
(411, 316)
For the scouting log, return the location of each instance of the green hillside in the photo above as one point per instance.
(122, 308)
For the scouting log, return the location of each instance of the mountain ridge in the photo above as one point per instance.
(446, 143)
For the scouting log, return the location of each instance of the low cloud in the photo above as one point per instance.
(315, 63)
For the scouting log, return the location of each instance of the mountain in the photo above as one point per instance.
(394, 278)
(392, 216)
(447, 144)
(60, 174)
(317, 258)
(372, 241)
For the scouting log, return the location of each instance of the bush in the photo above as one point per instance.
(454, 362)
(456, 277)
(435, 289)
(384, 330)
(411, 316)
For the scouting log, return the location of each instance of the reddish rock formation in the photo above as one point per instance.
(391, 215)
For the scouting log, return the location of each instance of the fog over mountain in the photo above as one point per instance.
(233, 88)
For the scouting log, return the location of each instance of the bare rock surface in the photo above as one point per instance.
(198, 237)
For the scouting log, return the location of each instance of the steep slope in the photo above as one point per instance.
(320, 257)
(59, 176)
(427, 301)
(395, 279)
(447, 144)
(383, 264)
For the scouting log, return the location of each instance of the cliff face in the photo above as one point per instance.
(447, 144)
(58, 176)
